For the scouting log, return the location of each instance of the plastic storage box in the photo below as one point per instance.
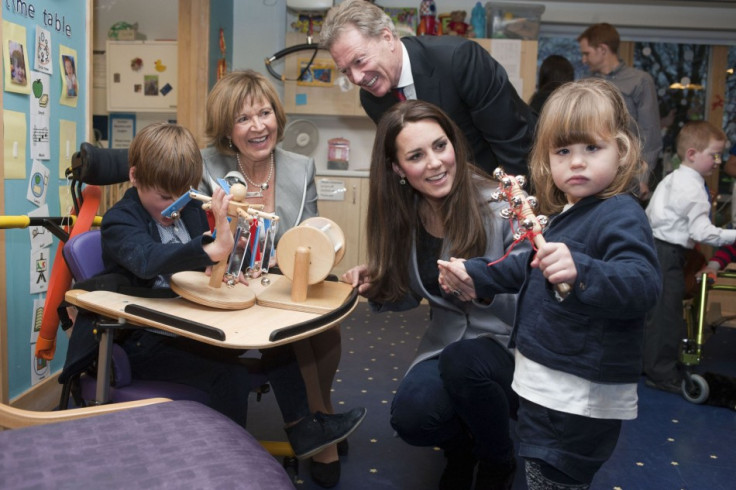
(513, 20)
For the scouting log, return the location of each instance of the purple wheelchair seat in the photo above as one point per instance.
(125, 389)
(178, 444)
(83, 255)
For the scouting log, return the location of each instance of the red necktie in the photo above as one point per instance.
(399, 93)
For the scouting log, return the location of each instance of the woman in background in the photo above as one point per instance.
(555, 71)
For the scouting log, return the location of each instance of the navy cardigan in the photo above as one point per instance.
(131, 244)
(596, 332)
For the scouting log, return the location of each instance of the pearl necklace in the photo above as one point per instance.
(262, 186)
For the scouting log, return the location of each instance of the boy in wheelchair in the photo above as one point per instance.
(144, 249)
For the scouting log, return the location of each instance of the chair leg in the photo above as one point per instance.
(64, 400)
(71, 389)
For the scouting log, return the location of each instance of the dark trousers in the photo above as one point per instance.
(462, 398)
(665, 325)
(218, 372)
(575, 445)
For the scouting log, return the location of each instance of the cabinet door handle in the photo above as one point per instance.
(355, 193)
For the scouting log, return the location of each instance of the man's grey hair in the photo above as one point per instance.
(366, 17)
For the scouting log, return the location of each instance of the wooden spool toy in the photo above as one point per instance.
(210, 291)
(306, 255)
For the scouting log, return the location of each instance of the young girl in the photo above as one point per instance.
(578, 357)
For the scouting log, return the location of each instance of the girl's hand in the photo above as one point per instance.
(454, 279)
(358, 278)
(555, 261)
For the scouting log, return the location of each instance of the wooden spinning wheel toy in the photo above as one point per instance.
(197, 287)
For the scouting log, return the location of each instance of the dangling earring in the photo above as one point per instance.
(402, 181)
(230, 143)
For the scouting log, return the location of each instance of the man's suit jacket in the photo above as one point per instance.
(460, 77)
(296, 192)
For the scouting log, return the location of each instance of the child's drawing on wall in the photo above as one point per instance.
(43, 51)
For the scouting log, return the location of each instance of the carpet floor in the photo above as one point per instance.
(673, 444)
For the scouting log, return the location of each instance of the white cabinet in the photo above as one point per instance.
(141, 76)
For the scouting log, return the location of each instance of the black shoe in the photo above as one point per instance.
(670, 386)
(326, 475)
(492, 476)
(342, 447)
(458, 473)
(314, 433)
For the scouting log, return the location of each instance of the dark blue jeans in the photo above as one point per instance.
(218, 372)
(464, 397)
(573, 444)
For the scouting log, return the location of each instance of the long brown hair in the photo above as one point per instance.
(393, 208)
(582, 112)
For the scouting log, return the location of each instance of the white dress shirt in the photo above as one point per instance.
(679, 211)
(406, 79)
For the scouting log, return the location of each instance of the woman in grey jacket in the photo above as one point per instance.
(427, 201)
(245, 121)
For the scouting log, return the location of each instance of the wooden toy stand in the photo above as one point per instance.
(306, 255)
(211, 291)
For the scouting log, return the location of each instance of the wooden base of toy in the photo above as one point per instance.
(322, 297)
(194, 286)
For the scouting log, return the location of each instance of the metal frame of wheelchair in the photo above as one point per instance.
(695, 387)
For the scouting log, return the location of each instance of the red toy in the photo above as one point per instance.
(428, 24)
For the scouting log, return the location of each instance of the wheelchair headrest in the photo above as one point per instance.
(99, 166)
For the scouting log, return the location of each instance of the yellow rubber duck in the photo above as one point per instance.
(159, 66)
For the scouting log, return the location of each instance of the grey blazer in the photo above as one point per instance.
(295, 192)
(454, 320)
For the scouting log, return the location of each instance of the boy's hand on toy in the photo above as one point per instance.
(222, 246)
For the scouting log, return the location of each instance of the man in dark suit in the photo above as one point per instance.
(453, 73)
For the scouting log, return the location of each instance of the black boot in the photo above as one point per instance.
(458, 474)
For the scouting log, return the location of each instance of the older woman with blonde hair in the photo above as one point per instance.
(245, 121)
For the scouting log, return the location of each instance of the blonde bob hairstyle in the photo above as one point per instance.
(227, 99)
(584, 111)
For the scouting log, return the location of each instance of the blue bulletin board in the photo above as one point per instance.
(46, 117)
